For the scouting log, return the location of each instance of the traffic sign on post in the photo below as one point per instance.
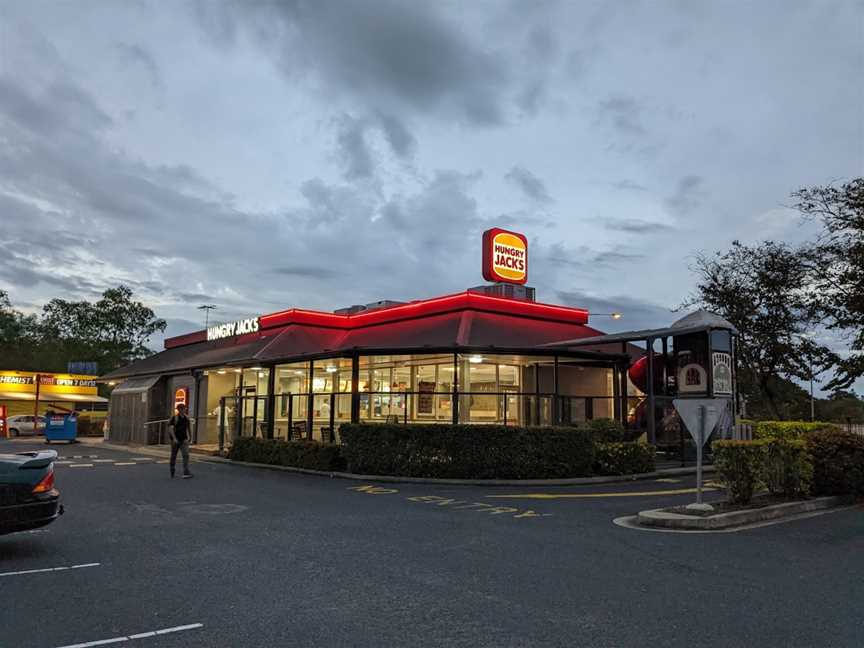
(700, 416)
(689, 409)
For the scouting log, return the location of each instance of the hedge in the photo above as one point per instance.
(789, 429)
(623, 458)
(467, 451)
(299, 454)
(606, 430)
(788, 468)
(740, 465)
(838, 462)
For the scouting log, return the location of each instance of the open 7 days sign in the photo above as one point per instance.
(505, 256)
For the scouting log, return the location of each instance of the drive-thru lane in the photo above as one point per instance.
(255, 557)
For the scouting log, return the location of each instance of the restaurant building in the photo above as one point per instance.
(477, 356)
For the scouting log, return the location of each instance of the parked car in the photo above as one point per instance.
(28, 499)
(23, 425)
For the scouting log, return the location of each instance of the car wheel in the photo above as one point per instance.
(14, 432)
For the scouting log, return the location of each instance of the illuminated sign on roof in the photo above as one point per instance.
(230, 329)
(505, 256)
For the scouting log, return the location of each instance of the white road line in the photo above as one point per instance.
(48, 569)
(140, 635)
(80, 465)
(142, 458)
(103, 461)
(125, 463)
(62, 463)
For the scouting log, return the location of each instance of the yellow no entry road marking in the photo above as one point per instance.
(677, 491)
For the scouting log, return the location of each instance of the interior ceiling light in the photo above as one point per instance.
(331, 369)
(221, 371)
(475, 359)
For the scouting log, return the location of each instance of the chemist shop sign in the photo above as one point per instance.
(505, 256)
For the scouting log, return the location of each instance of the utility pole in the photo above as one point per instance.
(207, 308)
(812, 400)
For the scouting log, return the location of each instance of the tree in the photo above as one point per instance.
(765, 291)
(839, 255)
(113, 331)
(18, 336)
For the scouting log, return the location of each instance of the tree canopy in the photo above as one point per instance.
(783, 299)
(111, 331)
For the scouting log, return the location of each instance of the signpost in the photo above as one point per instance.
(700, 416)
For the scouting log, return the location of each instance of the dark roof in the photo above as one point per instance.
(466, 329)
(193, 356)
(695, 322)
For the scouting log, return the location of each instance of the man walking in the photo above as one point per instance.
(178, 428)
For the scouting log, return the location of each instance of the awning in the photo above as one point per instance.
(136, 385)
(48, 397)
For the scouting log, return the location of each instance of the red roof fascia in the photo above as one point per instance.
(412, 310)
(435, 306)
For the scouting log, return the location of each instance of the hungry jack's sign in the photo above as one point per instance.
(505, 256)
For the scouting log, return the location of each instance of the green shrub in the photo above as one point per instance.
(605, 430)
(623, 458)
(838, 462)
(740, 465)
(789, 429)
(298, 454)
(788, 467)
(467, 451)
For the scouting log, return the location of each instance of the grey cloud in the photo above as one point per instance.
(628, 185)
(355, 155)
(194, 297)
(636, 226)
(637, 313)
(688, 194)
(305, 272)
(389, 53)
(138, 55)
(398, 136)
(529, 184)
(53, 109)
(584, 257)
(624, 114)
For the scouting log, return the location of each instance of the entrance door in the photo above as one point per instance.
(247, 411)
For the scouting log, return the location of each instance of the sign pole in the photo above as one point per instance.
(36, 405)
(699, 444)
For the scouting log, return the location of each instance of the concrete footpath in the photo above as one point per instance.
(162, 452)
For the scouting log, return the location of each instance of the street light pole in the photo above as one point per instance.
(207, 308)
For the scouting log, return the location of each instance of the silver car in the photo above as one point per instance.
(23, 425)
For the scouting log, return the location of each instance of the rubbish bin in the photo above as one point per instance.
(61, 427)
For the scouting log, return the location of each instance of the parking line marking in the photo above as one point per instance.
(140, 635)
(142, 458)
(49, 569)
(80, 465)
(125, 463)
(103, 460)
(678, 491)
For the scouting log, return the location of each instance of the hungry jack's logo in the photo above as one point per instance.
(505, 256)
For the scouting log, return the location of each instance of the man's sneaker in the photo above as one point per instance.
(187, 476)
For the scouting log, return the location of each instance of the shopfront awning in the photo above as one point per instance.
(136, 385)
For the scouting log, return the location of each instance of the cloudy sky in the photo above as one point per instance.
(318, 154)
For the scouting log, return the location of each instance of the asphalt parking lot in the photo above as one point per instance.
(247, 557)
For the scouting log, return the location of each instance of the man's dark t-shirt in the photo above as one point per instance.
(181, 427)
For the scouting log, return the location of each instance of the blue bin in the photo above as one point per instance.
(61, 427)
